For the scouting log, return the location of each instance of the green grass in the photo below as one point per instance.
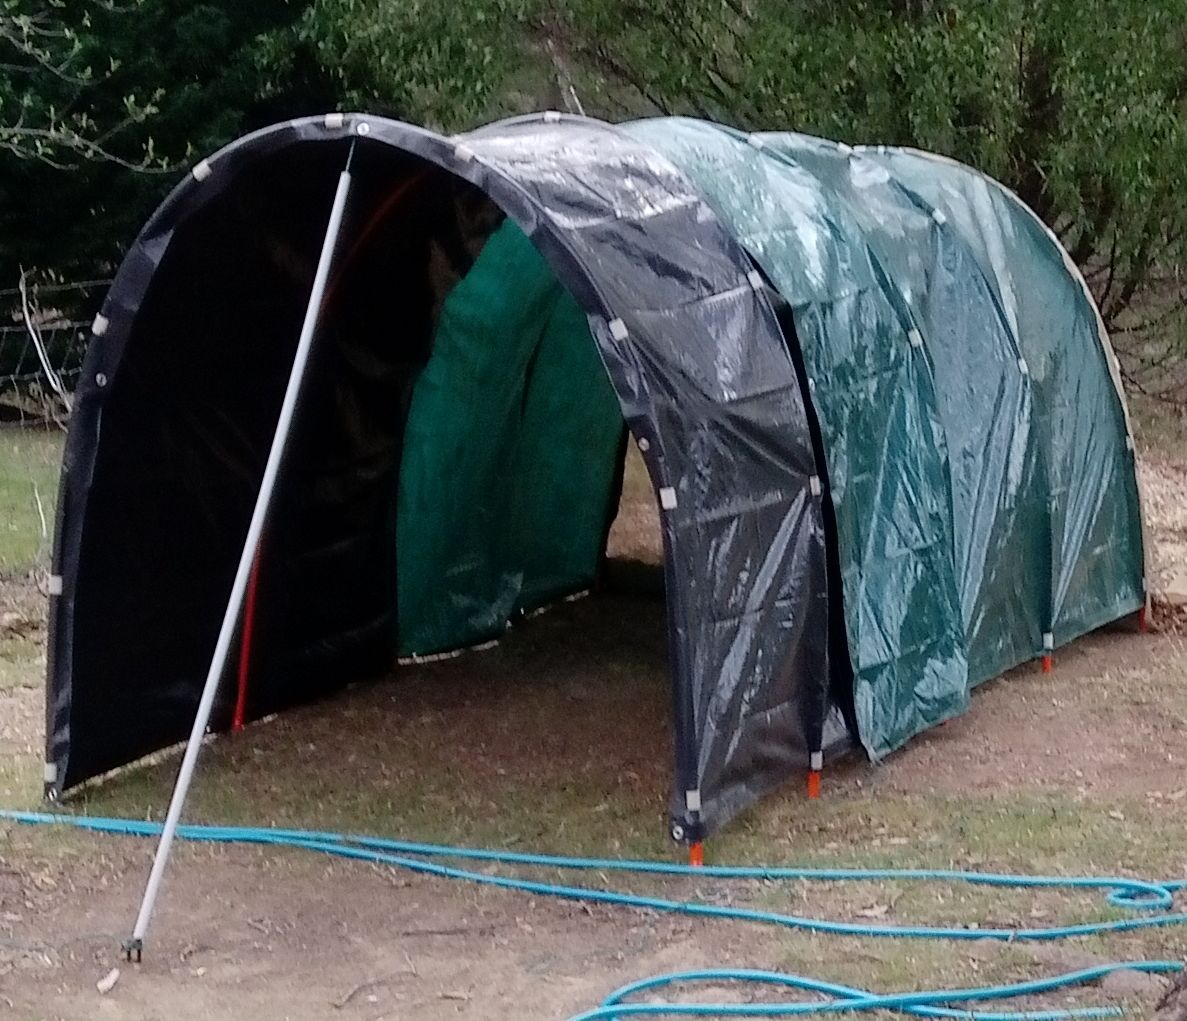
(29, 465)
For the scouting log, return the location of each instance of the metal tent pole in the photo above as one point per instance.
(135, 945)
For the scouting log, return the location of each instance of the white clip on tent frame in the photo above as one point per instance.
(222, 647)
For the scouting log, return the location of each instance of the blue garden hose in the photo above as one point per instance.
(1123, 892)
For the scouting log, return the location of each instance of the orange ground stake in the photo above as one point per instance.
(814, 784)
(1048, 663)
(696, 855)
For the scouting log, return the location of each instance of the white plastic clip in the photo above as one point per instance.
(939, 217)
(99, 326)
(754, 141)
(915, 337)
(1128, 442)
(667, 498)
(692, 800)
(618, 329)
(1023, 367)
(54, 585)
(756, 280)
(551, 116)
(816, 762)
(814, 485)
(844, 149)
(335, 120)
(51, 772)
(1048, 641)
(201, 170)
(463, 153)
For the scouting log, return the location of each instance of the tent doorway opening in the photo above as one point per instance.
(456, 461)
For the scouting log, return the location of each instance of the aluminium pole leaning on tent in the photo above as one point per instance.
(218, 661)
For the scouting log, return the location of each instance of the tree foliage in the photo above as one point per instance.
(49, 63)
(118, 87)
(444, 65)
(1078, 105)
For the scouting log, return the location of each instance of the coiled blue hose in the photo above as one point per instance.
(1123, 892)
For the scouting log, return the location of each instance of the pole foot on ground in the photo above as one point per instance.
(696, 855)
(132, 946)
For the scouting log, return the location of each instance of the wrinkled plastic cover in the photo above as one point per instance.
(973, 443)
(693, 347)
(974, 436)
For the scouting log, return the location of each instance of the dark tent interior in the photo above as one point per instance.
(509, 432)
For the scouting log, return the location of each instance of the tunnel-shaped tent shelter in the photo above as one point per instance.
(873, 395)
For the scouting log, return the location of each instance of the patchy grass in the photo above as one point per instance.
(29, 463)
(558, 740)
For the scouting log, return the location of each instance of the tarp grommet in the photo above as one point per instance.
(100, 379)
(99, 326)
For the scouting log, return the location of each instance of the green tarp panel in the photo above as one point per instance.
(509, 456)
(974, 439)
(1093, 550)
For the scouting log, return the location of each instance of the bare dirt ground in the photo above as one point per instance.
(558, 740)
